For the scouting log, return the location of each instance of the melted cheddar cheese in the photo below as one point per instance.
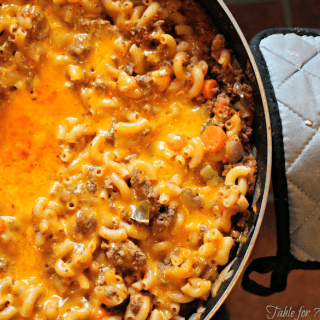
(125, 158)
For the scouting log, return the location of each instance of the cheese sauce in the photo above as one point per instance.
(125, 158)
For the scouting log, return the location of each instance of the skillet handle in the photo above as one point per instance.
(280, 266)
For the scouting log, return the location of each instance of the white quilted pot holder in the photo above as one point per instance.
(289, 64)
(293, 63)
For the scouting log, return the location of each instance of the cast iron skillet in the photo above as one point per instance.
(226, 24)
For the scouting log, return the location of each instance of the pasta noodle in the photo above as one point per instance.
(126, 158)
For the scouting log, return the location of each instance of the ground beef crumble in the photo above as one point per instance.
(126, 255)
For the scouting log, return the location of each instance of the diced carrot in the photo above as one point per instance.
(214, 139)
(99, 314)
(208, 85)
(177, 142)
(2, 226)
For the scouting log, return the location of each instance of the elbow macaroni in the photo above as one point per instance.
(114, 208)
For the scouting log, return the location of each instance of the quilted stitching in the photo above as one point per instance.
(296, 83)
(304, 171)
(311, 67)
(300, 153)
(301, 93)
(300, 254)
(278, 78)
(290, 47)
(314, 41)
(291, 119)
(304, 69)
(299, 199)
(305, 237)
(283, 104)
(306, 62)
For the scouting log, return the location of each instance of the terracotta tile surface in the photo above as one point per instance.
(306, 13)
(255, 17)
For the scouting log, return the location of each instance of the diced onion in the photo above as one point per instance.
(237, 89)
(140, 213)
